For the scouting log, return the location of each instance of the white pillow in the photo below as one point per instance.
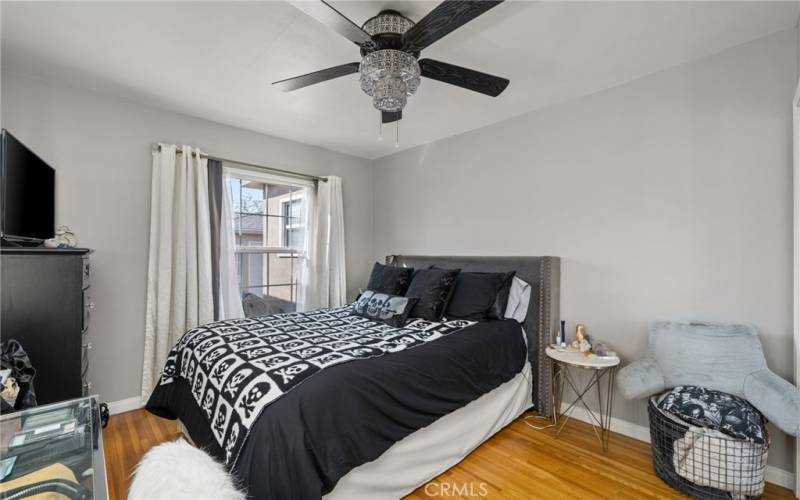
(518, 298)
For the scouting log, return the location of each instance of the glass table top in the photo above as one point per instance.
(57, 447)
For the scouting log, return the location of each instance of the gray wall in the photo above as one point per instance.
(100, 148)
(668, 198)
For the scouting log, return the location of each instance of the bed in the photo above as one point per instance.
(378, 427)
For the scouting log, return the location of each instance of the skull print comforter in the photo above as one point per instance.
(292, 402)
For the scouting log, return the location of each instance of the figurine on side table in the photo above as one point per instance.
(589, 347)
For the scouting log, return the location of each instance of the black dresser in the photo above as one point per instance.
(46, 307)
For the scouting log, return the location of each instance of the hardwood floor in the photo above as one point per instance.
(518, 462)
(126, 439)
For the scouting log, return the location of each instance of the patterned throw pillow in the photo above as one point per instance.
(716, 410)
(389, 279)
(434, 287)
(390, 309)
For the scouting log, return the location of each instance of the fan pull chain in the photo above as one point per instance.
(397, 134)
(380, 128)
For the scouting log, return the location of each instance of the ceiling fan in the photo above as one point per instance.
(390, 45)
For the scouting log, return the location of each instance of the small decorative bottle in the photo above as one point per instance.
(562, 340)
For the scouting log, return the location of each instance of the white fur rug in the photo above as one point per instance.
(179, 471)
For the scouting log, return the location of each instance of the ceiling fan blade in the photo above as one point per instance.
(465, 78)
(389, 116)
(320, 76)
(332, 18)
(446, 17)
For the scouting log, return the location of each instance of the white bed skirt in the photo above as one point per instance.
(428, 452)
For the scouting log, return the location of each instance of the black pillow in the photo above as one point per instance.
(717, 410)
(391, 309)
(478, 296)
(434, 287)
(390, 279)
(498, 310)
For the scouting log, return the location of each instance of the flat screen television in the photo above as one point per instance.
(27, 193)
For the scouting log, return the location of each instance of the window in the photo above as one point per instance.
(294, 222)
(269, 222)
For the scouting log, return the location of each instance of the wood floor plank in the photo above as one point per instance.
(127, 438)
(519, 462)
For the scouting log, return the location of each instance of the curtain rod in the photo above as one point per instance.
(253, 165)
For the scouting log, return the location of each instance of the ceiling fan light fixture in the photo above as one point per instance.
(390, 45)
(388, 22)
(390, 95)
(389, 76)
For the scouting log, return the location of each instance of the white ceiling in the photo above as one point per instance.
(216, 60)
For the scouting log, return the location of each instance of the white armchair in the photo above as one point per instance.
(717, 356)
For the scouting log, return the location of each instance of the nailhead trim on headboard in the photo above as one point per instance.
(544, 396)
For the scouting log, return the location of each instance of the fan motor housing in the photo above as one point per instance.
(387, 30)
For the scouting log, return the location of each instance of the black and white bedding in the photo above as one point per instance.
(238, 367)
(236, 386)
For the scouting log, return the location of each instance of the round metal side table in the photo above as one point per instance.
(602, 371)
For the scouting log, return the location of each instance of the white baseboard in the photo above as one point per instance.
(780, 477)
(123, 405)
(774, 475)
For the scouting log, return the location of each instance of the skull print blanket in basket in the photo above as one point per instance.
(324, 391)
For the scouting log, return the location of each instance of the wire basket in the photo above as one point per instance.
(703, 463)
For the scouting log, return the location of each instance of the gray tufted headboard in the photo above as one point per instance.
(544, 275)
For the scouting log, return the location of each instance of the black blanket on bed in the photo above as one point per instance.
(349, 414)
(240, 366)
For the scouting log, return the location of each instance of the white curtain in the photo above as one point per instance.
(179, 289)
(306, 300)
(323, 279)
(229, 299)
